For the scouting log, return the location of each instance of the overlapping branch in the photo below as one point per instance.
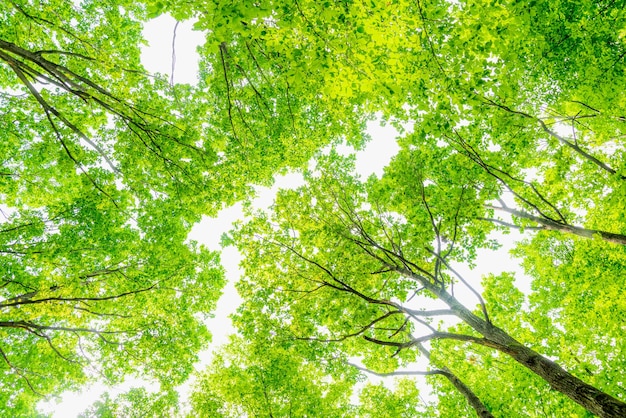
(485, 333)
(543, 219)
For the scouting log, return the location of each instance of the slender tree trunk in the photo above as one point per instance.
(567, 228)
(471, 398)
(589, 397)
(469, 395)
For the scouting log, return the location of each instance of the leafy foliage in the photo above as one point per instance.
(135, 403)
(105, 170)
(514, 124)
(256, 378)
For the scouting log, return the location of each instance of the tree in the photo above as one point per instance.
(574, 335)
(86, 295)
(522, 87)
(135, 403)
(286, 378)
(97, 279)
(489, 93)
(105, 167)
(270, 379)
(335, 264)
(105, 170)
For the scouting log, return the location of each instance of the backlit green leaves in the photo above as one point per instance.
(516, 122)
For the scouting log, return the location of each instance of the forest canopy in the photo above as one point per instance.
(510, 117)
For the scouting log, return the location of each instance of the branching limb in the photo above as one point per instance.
(501, 177)
(434, 336)
(398, 373)
(471, 288)
(26, 301)
(558, 137)
(19, 371)
(547, 224)
(353, 334)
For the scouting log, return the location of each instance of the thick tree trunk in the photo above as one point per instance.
(589, 397)
(592, 399)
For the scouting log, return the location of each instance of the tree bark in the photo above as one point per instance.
(567, 228)
(589, 397)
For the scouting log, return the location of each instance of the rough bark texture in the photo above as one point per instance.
(592, 399)
(589, 397)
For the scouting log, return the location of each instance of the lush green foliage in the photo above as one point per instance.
(105, 169)
(515, 125)
(135, 403)
(264, 379)
(278, 378)
(97, 278)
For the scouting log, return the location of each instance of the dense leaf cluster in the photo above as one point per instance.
(511, 117)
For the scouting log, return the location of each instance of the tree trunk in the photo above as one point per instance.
(471, 398)
(589, 397)
(567, 228)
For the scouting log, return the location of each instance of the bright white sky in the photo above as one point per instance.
(157, 57)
